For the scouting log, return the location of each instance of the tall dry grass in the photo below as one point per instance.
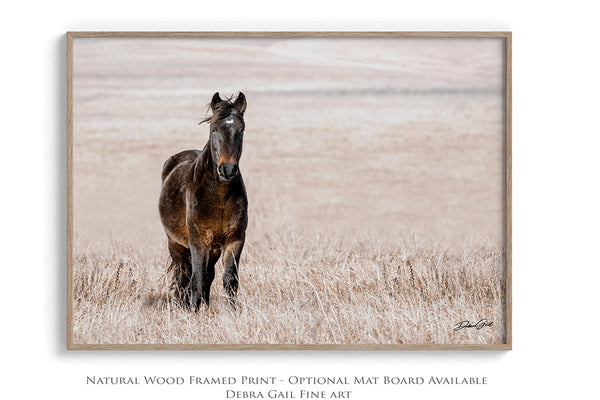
(299, 289)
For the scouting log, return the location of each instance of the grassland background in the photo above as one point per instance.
(374, 170)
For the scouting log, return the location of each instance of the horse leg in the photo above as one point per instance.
(213, 257)
(203, 274)
(182, 265)
(233, 251)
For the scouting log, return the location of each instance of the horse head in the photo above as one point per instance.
(227, 134)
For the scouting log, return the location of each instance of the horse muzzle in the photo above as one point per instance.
(227, 171)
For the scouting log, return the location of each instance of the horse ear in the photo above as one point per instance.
(215, 100)
(240, 103)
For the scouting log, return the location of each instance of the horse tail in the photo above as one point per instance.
(180, 273)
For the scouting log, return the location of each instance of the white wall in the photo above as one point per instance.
(555, 142)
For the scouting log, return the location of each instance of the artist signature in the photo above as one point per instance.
(466, 324)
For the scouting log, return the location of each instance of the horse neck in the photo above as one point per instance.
(205, 172)
(205, 167)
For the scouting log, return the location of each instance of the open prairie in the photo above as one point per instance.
(375, 176)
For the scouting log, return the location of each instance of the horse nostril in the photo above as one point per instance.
(228, 170)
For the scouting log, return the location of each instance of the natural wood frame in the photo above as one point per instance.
(507, 36)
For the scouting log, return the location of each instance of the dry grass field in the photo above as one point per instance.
(374, 171)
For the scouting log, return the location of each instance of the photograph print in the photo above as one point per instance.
(289, 190)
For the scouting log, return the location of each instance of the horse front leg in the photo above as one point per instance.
(231, 258)
(203, 273)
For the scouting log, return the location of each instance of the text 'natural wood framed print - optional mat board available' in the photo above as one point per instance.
(289, 190)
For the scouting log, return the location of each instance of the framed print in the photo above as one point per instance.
(289, 190)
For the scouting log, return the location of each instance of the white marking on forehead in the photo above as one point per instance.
(229, 121)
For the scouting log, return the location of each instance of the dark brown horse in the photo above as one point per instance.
(203, 206)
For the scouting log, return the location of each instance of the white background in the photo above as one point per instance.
(555, 205)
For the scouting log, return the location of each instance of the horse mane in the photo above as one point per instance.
(221, 111)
